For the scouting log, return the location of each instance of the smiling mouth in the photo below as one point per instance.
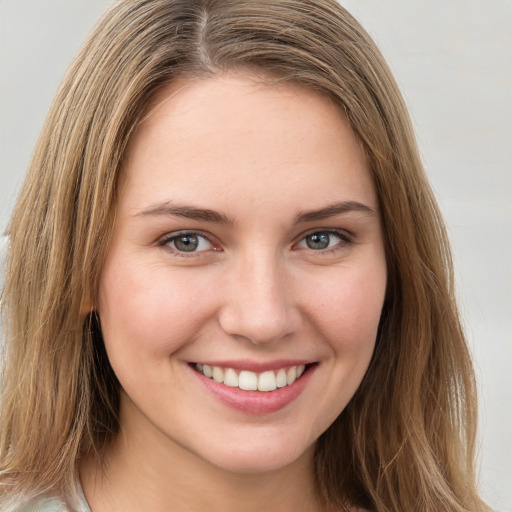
(251, 381)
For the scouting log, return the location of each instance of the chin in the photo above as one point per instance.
(261, 458)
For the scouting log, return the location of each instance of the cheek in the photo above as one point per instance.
(347, 309)
(146, 312)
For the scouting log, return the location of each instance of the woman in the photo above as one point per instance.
(229, 285)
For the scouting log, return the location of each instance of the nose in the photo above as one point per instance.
(259, 302)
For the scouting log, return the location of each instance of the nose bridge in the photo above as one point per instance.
(258, 303)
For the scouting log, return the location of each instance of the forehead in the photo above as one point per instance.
(231, 136)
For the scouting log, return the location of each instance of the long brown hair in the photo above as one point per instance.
(406, 441)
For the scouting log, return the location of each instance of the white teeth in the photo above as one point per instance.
(231, 378)
(250, 381)
(281, 378)
(291, 375)
(267, 381)
(218, 374)
(207, 371)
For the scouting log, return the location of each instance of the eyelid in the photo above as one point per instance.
(169, 237)
(345, 237)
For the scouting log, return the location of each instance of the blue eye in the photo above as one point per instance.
(321, 240)
(187, 242)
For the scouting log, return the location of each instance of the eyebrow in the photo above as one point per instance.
(167, 208)
(332, 210)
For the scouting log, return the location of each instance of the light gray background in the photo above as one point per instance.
(453, 61)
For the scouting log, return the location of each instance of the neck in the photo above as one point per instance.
(142, 472)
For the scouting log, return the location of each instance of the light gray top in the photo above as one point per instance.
(50, 504)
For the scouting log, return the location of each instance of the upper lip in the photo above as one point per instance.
(256, 366)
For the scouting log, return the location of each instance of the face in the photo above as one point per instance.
(243, 286)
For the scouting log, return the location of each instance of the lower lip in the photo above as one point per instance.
(256, 402)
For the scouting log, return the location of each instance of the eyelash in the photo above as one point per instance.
(168, 239)
(344, 240)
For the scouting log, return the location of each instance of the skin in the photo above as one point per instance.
(260, 156)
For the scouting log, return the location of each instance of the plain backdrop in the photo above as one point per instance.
(453, 61)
